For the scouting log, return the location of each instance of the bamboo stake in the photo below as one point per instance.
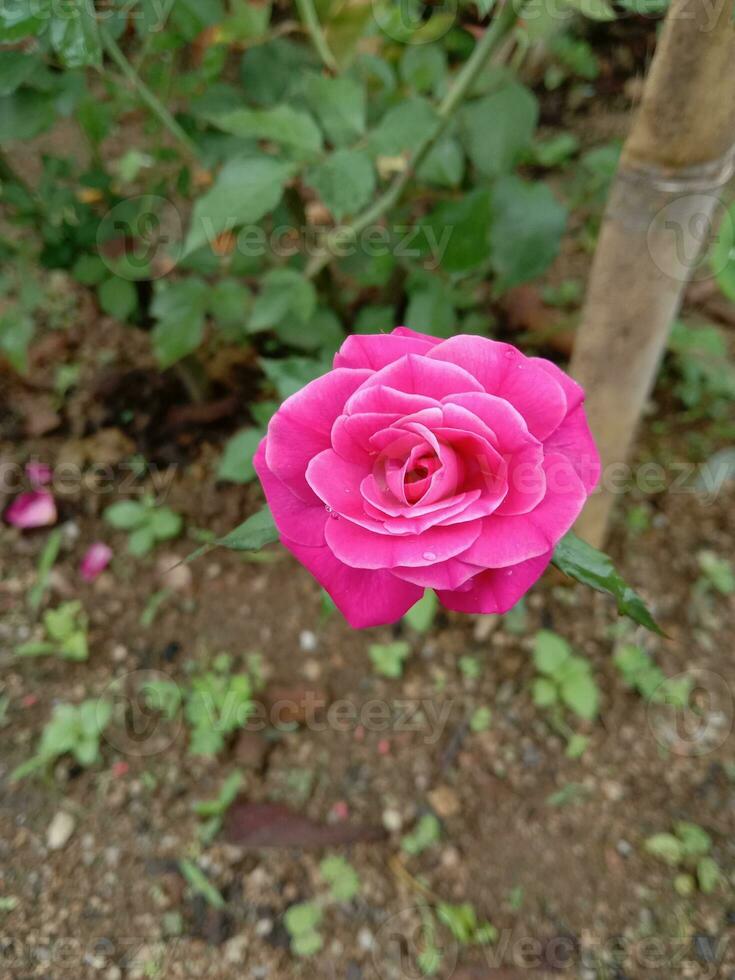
(659, 216)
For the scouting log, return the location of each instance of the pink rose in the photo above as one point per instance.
(454, 465)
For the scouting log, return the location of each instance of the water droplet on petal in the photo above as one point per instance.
(429, 556)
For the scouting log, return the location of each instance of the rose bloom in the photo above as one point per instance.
(455, 465)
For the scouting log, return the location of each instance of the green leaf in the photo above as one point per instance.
(289, 374)
(118, 297)
(550, 652)
(586, 564)
(74, 34)
(444, 164)
(141, 541)
(594, 9)
(25, 114)
(282, 124)
(423, 67)
(164, 523)
(421, 616)
(15, 68)
(16, 332)
(544, 692)
(125, 515)
(339, 104)
(580, 693)
(236, 464)
(528, 223)
(708, 875)
(180, 309)
(200, 884)
(402, 128)
(284, 292)
(270, 70)
(497, 128)
(302, 918)
(695, 841)
(430, 308)
(426, 833)
(253, 534)
(344, 180)
(388, 658)
(480, 719)
(458, 232)
(666, 848)
(229, 302)
(89, 270)
(245, 190)
(323, 332)
(576, 746)
(341, 876)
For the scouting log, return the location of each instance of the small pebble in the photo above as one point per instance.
(444, 801)
(60, 830)
(307, 641)
(392, 820)
(312, 670)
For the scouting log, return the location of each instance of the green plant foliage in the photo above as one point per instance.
(421, 616)
(687, 849)
(343, 881)
(641, 673)
(66, 634)
(302, 924)
(73, 729)
(211, 812)
(426, 833)
(388, 658)
(236, 464)
(565, 678)
(581, 561)
(147, 523)
(200, 884)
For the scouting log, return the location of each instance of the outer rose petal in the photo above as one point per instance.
(302, 425)
(418, 375)
(505, 541)
(365, 549)
(376, 350)
(295, 519)
(96, 559)
(498, 589)
(504, 371)
(573, 391)
(574, 439)
(364, 597)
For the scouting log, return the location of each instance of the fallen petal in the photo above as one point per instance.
(96, 560)
(39, 474)
(34, 509)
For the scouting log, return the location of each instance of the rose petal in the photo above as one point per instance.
(302, 426)
(418, 375)
(34, 509)
(574, 439)
(360, 548)
(498, 589)
(96, 559)
(39, 474)
(365, 598)
(374, 351)
(506, 541)
(302, 522)
(504, 371)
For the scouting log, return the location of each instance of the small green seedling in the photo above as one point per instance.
(462, 922)
(146, 522)
(45, 563)
(642, 675)
(688, 850)
(470, 667)
(388, 658)
(217, 704)
(426, 832)
(421, 616)
(565, 678)
(717, 572)
(343, 881)
(302, 924)
(72, 729)
(480, 719)
(66, 634)
(200, 884)
(163, 696)
(211, 812)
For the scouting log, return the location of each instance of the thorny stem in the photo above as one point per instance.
(308, 15)
(146, 95)
(485, 47)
